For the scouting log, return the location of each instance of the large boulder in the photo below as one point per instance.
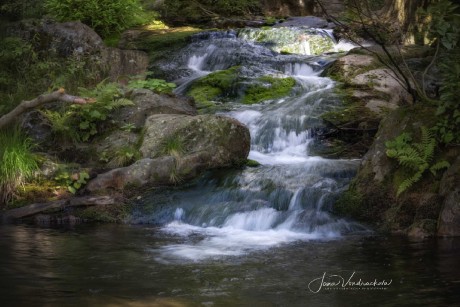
(177, 147)
(369, 82)
(224, 141)
(77, 40)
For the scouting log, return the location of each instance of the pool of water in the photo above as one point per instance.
(122, 265)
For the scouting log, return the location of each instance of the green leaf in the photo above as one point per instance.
(95, 114)
(84, 175)
(71, 189)
(84, 125)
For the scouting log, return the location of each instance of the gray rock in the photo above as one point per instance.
(75, 39)
(117, 62)
(449, 219)
(177, 147)
(142, 172)
(219, 141)
(148, 103)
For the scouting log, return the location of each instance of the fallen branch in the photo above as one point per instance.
(59, 204)
(59, 95)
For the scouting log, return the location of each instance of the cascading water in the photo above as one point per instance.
(288, 197)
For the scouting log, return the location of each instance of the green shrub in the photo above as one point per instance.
(104, 16)
(81, 122)
(17, 163)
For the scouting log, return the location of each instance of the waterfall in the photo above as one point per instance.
(289, 197)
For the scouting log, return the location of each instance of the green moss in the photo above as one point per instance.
(268, 88)
(213, 86)
(204, 94)
(252, 163)
(349, 204)
(227, 84)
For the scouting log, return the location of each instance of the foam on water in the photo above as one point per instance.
(232, 240)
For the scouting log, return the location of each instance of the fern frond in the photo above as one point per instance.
(428, 144)
(406, 184)
(410, 158)
(438, 166)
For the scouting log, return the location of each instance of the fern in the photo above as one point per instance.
(416, 157)
(439, 166)
(406, 184)
(81, 122)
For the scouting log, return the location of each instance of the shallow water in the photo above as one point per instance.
(120, 265)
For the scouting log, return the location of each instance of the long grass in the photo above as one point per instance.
(17, 162)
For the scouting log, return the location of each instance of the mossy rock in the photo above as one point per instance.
(252, 163)
(219, 85)
(229, 85)
(268, 88)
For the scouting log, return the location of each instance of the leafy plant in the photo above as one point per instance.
(17, 162)
(415, 157)
(104, 16)
(74, 181)
(156, 85)
(81, 122)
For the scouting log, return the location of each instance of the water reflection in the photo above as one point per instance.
(115, 265)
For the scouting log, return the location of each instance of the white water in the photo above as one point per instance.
(244, 216)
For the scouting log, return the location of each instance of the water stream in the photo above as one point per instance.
(286, 199)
